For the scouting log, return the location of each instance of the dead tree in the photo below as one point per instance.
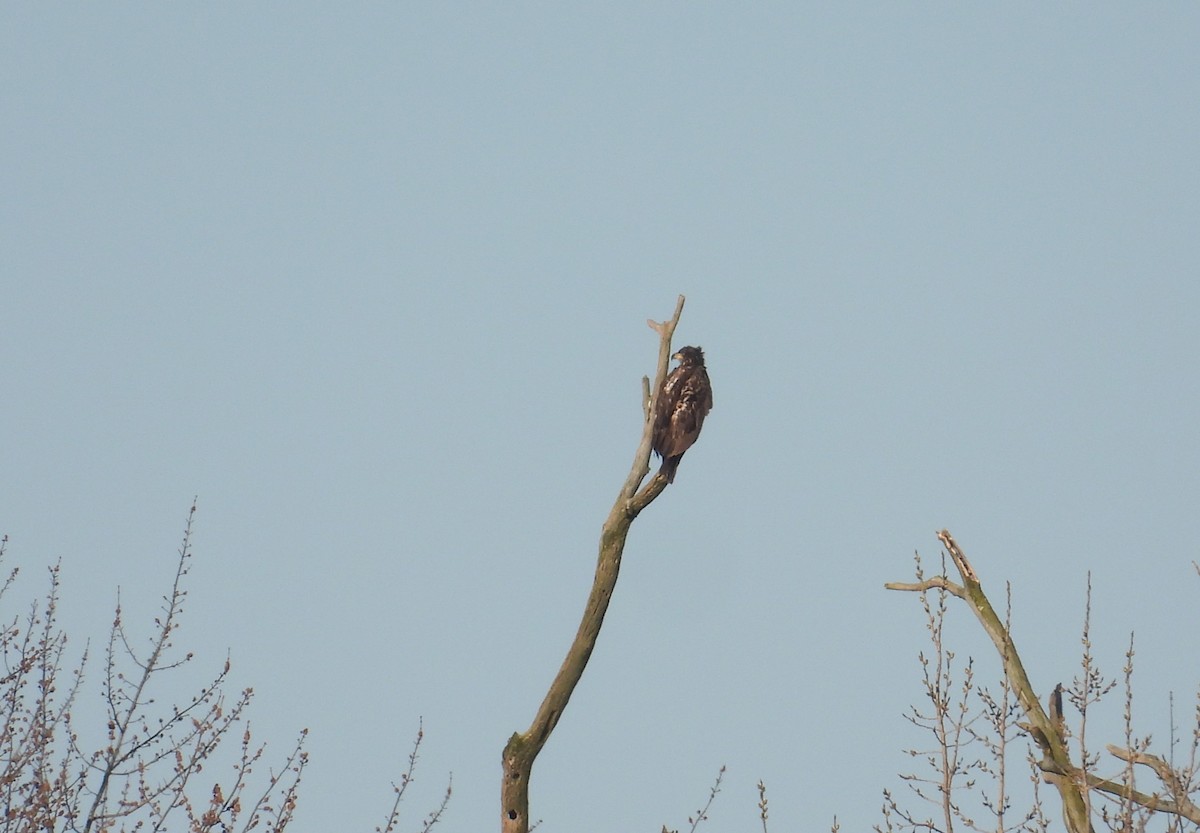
(523, 747)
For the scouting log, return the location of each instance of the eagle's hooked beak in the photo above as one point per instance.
(677, 357)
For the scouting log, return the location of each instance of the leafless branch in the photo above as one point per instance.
(1056, 761)
(523, 747)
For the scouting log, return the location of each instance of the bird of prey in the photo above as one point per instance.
(684, 399)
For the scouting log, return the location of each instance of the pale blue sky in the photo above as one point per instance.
(371, 281)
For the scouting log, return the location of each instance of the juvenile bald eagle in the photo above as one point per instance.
(683, 401)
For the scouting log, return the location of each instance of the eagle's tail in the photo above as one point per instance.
(669, 465)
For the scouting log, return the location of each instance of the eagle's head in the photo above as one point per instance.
(689, 357)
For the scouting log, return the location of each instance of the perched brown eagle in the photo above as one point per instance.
(683, 401)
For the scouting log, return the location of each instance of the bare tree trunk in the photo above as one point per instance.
(523, 748)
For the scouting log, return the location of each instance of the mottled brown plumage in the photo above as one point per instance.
(683, 401)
